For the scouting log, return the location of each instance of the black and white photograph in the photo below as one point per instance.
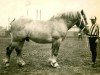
(49, 37)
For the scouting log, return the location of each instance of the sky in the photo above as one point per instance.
(10, 9)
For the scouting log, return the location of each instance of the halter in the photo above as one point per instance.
(83, 28)
(81, 25)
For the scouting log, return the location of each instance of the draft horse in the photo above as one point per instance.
(52, 31)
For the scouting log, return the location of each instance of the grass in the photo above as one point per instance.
(74, 58)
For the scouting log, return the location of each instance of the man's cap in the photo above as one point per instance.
(93, 18)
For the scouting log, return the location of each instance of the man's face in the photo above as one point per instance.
(93, 21)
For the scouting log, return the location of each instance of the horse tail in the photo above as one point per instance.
(8, 29)
(12, 21)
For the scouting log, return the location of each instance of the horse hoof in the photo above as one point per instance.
(21, 64)
(55, 65)
(6, 62)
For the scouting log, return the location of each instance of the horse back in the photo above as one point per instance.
(38, 30)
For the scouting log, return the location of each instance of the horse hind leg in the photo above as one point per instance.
(18, 49)
(54, 54)
(9, 50)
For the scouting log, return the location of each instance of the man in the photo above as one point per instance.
(93, 38)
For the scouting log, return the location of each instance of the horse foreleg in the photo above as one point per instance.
(18, 49)
(9, 50)
(54, 54)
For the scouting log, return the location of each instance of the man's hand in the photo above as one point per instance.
(97, 41)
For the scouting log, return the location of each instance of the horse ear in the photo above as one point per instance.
(82, 12)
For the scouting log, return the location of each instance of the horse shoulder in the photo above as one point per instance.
(59, 29)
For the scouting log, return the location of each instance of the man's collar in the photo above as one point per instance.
(94, 24)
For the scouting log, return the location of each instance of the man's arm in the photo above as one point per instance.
(98, 31)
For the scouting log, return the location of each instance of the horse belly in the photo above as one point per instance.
(41, 36)
(41, 39)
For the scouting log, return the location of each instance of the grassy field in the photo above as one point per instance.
(74, 58)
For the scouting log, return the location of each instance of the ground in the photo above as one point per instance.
(74, 58)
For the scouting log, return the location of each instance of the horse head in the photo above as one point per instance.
(82, 22)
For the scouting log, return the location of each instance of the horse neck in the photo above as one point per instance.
(70, 24)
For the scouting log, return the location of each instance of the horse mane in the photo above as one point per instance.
(69, 16)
